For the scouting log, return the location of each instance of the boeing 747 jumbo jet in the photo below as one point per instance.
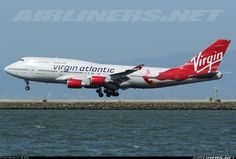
(109, 79)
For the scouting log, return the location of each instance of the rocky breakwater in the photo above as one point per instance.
(120, 105)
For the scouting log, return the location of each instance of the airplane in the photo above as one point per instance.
(108, 79)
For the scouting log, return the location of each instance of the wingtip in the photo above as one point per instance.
(139, 67)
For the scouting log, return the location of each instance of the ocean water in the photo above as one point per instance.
(117, 132)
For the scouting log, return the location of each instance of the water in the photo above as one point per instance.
(117, 132)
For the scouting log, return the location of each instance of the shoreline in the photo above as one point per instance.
(119, 104)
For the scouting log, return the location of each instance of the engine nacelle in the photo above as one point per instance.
(97, 80)
(74, 83)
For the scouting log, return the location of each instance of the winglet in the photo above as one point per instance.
(138, 67)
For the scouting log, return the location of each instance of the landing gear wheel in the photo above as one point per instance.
(100, 94)
(27, 88)
(98, 90)
(116, 94)
(105, 91)
(108, 94)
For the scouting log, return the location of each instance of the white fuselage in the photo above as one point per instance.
(109, 79)
(59, 70)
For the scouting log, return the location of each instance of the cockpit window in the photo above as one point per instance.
(21, 60)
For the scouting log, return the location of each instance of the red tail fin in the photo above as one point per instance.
(205, 62)
(208, 60)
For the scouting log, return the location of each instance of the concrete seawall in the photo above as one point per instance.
(118, 105)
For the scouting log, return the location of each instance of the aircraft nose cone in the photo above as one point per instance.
(6, 69)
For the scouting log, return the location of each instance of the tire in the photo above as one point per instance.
(27, 88)
(100, 94)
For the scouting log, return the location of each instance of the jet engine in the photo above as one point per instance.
(74, 83)
(97, 80)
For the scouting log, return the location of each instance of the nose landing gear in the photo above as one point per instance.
(27, 87)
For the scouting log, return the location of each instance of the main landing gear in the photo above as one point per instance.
(99, 92)
(27, 87)
(108, 92)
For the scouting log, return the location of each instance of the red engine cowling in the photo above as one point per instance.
(74, 83)
(97, 80)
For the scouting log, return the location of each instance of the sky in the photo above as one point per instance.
(118, 40)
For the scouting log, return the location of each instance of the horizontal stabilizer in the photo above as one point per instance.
(207, 75)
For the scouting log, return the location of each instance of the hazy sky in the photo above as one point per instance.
(112, 42)
(107, 40)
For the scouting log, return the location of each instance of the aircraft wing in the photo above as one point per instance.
(122, 76)
(117, 77)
